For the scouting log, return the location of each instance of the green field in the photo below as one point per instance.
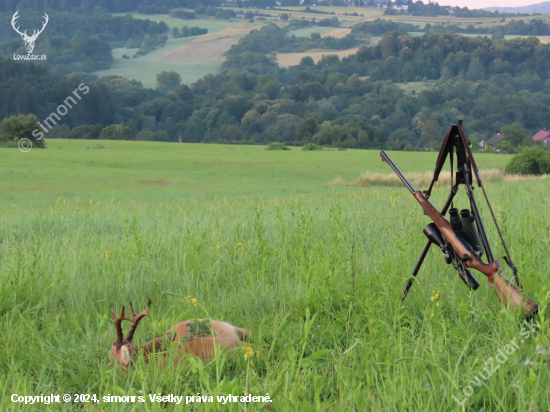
(122, 171)
(211, 24)
(263, 241)
(190, 63)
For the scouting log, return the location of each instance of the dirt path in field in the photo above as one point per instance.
(236, 31)
(338, 33)
(292, 59)
(211, 51)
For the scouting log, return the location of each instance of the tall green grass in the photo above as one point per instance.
(316, 277)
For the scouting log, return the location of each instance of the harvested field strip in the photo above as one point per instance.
(306, 32)
(199, 52)
(292, 59)
(421, 179)
(338, 33)
(237, 31)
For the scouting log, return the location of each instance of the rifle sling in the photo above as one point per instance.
(507, 258)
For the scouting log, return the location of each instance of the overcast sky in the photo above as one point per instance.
(479, 4)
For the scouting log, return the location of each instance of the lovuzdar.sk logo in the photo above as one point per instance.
(29, 40)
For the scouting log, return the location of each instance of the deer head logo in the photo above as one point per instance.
(29, 40)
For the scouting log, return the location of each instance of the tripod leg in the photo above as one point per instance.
(454, 190)
(416, 269)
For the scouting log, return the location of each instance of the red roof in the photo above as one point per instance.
(543, 134)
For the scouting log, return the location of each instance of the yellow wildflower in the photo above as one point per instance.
(435, 295)
(250, 352)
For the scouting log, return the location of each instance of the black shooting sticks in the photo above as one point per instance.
(473, 238)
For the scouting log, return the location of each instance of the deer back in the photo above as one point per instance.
(191, 341)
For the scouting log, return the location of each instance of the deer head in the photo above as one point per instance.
(123, 349)
(29, 40)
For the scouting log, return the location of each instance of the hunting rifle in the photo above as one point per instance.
(462, 242)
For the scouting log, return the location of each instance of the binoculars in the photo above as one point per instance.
(434, 235)
(466, 231)
(464, 227)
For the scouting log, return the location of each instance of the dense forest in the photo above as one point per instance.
(115, 30)
(353, 102)
(119, 6)
(417, 8)
(405, 58)
(82, 43)
(379, 27)
(272, 38)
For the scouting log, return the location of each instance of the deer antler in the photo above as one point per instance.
(15, 17)
(136, 319)
(118, 326)
(35, 34)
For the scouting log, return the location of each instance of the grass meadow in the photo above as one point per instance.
(262, 240)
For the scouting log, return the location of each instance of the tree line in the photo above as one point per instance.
(83, 43)
(352, 102)
(119, 6)
(379, 27)
(274, 39)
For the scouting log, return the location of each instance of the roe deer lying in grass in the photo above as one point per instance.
(193, 337)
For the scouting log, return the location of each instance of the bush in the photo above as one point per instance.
(531, 161)
(182, 14)
(312, 146)
(276, 146)
(329, 22)
(86, 132)
(117, 132)
(15, 128)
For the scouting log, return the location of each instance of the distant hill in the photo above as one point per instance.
(533, 8)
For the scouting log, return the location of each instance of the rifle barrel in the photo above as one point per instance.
(384, 156)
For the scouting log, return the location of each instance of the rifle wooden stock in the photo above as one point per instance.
(506, 292)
